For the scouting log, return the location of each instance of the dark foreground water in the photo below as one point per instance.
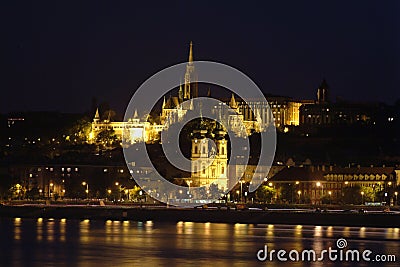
(44, 242)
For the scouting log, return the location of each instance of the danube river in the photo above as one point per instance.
(60, 242)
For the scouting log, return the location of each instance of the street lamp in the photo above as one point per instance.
(362, 197)
(238, 192)
(87, 189)
(50, 186)
(330, 199)
(396, 193)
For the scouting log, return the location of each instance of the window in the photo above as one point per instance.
(204, 149)
(195, 169)
(223, 170)
(204, 170)
(195, 150)
(223, 150)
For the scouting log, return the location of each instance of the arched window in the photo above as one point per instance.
(223, 150)
(204, 169)
(195, 150)
(204, 149)
(222, 170)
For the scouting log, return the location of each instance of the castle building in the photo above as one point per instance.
(134, 130)
(254, 115)
(258, 114)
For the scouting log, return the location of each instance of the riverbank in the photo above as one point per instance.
(136, 213)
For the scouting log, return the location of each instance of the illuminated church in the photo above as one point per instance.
(254, 116)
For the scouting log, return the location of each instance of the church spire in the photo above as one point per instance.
(97, 116)
(191, 52)
(233, 103)
(180, 92)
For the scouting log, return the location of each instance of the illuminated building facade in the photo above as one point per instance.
(209, 161)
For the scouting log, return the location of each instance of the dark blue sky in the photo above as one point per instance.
(57, 55)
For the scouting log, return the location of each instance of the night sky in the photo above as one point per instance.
(58, 55)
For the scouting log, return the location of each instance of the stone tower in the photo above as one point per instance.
(190, 86)
(322, 93)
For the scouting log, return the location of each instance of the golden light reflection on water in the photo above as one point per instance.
(396, 233)
(207, 228)
(329, 231)
(149, 227)
(362, 232)
(50, 230)
(318, 231)
(298, 231)
(270, 230)
(240, 229)
(346, 232)
(17, 228)
(63, 223)
(130, 243)
(84, 227)
(39, 229)
(179, 227)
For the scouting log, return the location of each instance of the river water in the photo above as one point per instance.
(60, 242)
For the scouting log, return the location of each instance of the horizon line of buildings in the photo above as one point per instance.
(256, 115)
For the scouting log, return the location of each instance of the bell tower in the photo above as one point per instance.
(190, 86)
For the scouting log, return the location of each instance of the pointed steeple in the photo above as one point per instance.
(164, 102)
(233, 103)
(191, 52)
(97, 116)
(135, 115)
(180, 93)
